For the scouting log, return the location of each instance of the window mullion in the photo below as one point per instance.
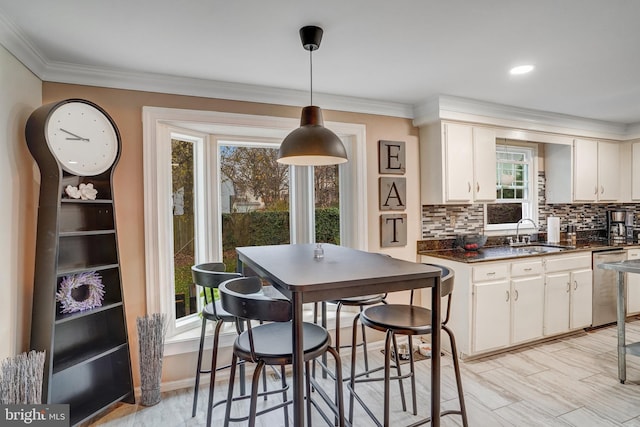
(301, 205)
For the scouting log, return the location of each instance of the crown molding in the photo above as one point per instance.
(93, 76)
(633, 131)
(446, 107)
(19, 46)
(437, 108)
(58, 72)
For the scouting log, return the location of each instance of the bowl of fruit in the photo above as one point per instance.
(471, 242)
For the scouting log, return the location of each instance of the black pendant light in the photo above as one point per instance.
(311, 144)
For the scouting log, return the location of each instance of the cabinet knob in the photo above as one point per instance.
(468, 187)
(527, 269)
(507, 300)
(602, 189)
(516, 297)
(477, 187)
(595, 190)
(568, 287)
(575, 285)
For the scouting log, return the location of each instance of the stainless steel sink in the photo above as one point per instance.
(539, 249)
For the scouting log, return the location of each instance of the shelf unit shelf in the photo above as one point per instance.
(87, 354)
(81, 201)
(90, 356)
(64, 234)
(62, 318)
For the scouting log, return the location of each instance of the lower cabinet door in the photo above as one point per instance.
(491, 315)
(581, 299)
(633, 279)
(633, 293)
(557, 290)
(527, 309)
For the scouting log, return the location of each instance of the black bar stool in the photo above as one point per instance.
(271, 344)
(409, 320)
(360, 302)
(209, 276)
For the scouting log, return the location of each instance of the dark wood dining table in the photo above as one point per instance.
(342, 272)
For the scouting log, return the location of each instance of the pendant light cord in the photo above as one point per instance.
(311, 75)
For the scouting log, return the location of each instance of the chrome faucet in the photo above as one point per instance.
(518, 228)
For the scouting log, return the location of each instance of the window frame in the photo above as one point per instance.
(532, 148)
(212, 127)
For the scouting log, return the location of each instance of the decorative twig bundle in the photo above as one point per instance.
(21, 379)
(151, 331)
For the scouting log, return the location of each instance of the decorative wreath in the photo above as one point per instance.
(79, 292)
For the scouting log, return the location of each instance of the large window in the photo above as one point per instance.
(326, 184)
(212, 184)
(515, 187)
(254, 197)
(183, 180)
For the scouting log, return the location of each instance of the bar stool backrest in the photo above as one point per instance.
(209, 276)
(244, 298)
(446, 287)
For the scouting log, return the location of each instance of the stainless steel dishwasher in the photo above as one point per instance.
(604, 286)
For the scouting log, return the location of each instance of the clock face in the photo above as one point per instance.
(82, 138)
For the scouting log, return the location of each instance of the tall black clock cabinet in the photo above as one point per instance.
(88, 362)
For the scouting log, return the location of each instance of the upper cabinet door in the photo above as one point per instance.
(458, 141)
(585, 167)
(635, 171)
(484, 160)
(608, 171)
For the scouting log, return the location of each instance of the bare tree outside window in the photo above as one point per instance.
(257, 190)
(256, 174)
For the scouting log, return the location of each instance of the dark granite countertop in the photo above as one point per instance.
(495, 253)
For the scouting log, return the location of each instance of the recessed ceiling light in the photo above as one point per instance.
(521, 69)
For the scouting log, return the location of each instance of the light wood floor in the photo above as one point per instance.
(571, 381)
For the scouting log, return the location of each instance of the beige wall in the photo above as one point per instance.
(126, 109)
(20, 94)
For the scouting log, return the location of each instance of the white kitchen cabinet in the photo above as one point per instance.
(484, 164)
(507, 312)
(581, 307)
(585, 167)
(500, 304)
(458, 147)
(556, 303)
(633, 285)
(635, 171)
(491, 315)
(587, 171)
(568, 293)
(608, 171)
(527, 302)
(457, 163)
(603, 158)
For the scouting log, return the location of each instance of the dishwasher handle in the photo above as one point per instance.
(608, 256)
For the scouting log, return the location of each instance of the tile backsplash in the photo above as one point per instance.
(447, 221)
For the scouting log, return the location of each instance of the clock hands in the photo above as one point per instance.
(75, 137)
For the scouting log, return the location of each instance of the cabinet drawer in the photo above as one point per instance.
(633, 254)
(530, 268)
(564, 263)
(483, 273)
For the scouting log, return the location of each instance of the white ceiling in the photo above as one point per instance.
(389, 55)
